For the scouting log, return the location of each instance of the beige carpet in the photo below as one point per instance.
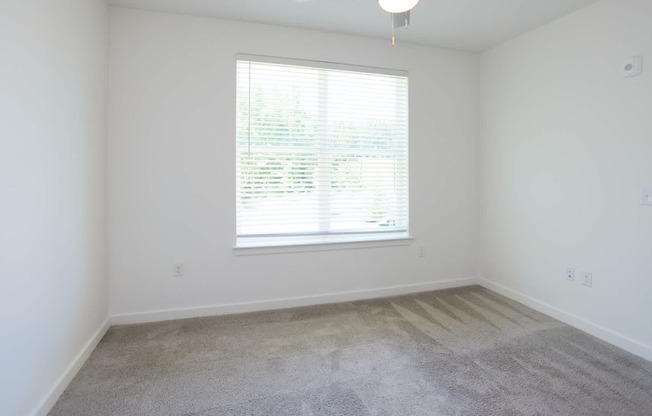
(464, 351)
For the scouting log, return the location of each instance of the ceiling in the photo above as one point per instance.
(469, 25)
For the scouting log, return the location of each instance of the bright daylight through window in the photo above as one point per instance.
(322, 152)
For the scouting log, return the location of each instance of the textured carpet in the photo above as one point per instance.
(463, 351)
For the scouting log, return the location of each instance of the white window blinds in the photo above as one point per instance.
(322, 152)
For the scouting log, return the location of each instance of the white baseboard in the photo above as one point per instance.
(614, 338)
(597, 331)
(51, 397)
(231, 308)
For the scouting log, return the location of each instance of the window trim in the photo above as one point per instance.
(321, 64)
(365, 240)
(321, 246)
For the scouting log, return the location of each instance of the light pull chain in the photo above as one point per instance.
(391, 15)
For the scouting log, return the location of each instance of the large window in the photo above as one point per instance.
(322, 152)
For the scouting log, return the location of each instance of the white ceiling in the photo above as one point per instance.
(470, 25)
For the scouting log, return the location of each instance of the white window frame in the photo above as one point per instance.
(296, 243)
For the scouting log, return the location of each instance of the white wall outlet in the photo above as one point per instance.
(646, 197)
(177, 269)
(422, 252)
(587, 279)
(570, 274)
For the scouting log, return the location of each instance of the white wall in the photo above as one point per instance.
(53, 283)
(566, 152)
(172, 168)
(566, 145)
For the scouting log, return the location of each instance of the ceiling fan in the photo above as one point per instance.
(399, 10)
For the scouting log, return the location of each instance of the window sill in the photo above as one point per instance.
(322, 246)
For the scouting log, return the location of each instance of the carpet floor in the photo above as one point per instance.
(466, 351)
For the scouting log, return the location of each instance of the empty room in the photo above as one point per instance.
(325, 207)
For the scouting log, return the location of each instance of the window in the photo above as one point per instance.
(322, 152)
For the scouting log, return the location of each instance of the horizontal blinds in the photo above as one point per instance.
(321, 151)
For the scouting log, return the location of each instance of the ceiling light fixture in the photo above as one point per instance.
(397, 6)
(402, 7)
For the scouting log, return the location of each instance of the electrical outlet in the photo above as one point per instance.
(570, 274)
(177, 269)
(422, 252)
(646, 197)
(587, 279)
